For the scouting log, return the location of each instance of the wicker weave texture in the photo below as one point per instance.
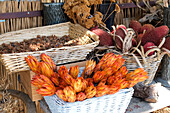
(16, 62)
(115, 103)
(151, 65)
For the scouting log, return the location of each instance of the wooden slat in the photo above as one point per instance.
(20, 14)
(132, 5)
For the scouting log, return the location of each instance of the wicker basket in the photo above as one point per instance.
(15, 62)
(115, 103)
(150, 64)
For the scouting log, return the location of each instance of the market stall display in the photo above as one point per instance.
(62, 64)
(141, 45)
(106, 78)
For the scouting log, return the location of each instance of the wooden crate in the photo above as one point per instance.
(26, 77)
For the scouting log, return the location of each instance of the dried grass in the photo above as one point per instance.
(8, 104)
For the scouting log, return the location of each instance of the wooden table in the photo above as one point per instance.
(139, 106)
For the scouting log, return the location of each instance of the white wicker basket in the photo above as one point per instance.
(115, 103)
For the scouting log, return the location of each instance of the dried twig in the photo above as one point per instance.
(151, 12)
(8, 104)
(117, 9)
(107, 10)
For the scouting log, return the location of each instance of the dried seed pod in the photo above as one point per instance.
(38, 36)
(38, 43)
(80, 96)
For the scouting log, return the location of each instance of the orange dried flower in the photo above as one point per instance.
(74, 71)
(109, 71)
(70, 94)
(117, 64)
(77, 84)
(68, 78)
(122, 83)
(55, 80)
(90, 91)
(61, 95)
(62, 70)
(123, 71)
(112, 79)
(89, 68)
(98, 76)
(89, 81)
(136, 76)
(32, 63)
(80, 96)
(101, 90)
(45, 69)
(62, 82)
(103, 59)
(110, 61)
(84, 83)
(102, 82)
(48, 59)
(113, 89)
(47, 88)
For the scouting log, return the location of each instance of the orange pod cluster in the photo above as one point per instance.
(98, 76)
(136, 76)
(46, 86)
(90, 91)
(74, 71)
(32, 63)
(101, 90)
(107, 77)
(89, 68)
(80, 96)
(46, 67)
(48, 59)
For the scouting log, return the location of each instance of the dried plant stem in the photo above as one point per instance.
(2, 24)
(95, 8)
(107, 10)
(109, 15)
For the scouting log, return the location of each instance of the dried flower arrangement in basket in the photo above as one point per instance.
(85, 87)
(106, 77)
(79, 12)
(142, 46)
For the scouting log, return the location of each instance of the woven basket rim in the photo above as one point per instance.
(86, 101)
